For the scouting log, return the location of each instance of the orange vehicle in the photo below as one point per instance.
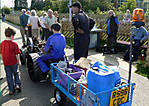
(138, 17)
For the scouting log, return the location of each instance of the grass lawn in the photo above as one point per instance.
(141, 69)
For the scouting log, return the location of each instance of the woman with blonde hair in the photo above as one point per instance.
(34, 21)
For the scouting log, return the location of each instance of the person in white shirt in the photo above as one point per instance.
(56, 16)
(34, 21)
(42, 20)
(127, 17)
(49, 21)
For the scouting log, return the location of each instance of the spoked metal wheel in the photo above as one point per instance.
(60, 97)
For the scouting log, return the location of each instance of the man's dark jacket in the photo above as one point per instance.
(81, 40)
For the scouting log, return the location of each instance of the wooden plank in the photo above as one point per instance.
(128, 43)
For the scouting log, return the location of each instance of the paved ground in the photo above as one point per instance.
(41, 94)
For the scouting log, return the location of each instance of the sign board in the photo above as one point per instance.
(119, 96)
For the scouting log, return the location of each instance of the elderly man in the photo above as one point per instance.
(49, 21)
(23, 21)
(81, 31)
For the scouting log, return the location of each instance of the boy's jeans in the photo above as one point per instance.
(10, 72)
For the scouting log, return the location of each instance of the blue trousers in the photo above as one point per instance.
(10, 72)
(41, 61)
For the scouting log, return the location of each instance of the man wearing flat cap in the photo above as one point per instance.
(80, 23)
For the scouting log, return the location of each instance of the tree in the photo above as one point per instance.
(53, 4)
(20, 4)
(6, 10)
(63, 7)
(37, 4)
(92, 5)
(129, 4)
(87, 5)
(32, 4)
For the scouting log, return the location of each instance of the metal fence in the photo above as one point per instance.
(67, 28)
(122, 35)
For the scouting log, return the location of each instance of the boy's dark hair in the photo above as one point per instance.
(9, 31)
(56, 27)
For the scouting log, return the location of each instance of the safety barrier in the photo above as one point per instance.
(123, 35)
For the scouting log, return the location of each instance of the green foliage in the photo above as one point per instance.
(70, 42)
(20, 4)
(87, 5)
(6, 10)
(63, 7)
(32, 4)
(54, 5)
(147, 12)
(141, 69)
(145, 5)
(98, 10)
(90, 12)
(97, 5)
(39, 13)
(128, 4)
(102, 42)
(0, 10)
(37, 5)
(122, 48)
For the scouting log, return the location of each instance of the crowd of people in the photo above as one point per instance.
(31, 24)
(55, 41)
(140, 34)
(30, 27)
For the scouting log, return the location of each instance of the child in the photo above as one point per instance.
(10, 56)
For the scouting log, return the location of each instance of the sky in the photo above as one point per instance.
(10, 3)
